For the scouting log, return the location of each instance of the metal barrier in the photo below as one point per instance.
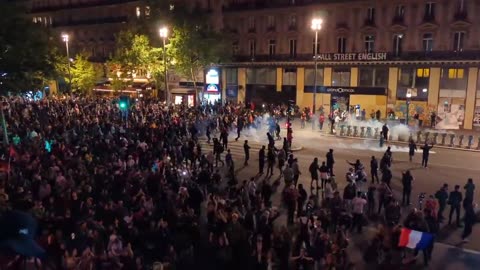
(470, 142)
(444, 135)
(355, 131)
(460, 142)
(452, 140)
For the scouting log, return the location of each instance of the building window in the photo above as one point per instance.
(251, 24)
(265, 76)
(317, 46)
(341, 44)
(271, 47)
(429, 11)
(373, 76)
(289, 76)
(138, 12)
(458, 40)
(461, 6)
(252, 47)
(341, 77)
(235, 48)
(397, 43)
(427, 42)
(292, 22)
(400, 11)
(369, 43)
(423, 72)
(147, 11)
(270, 23)
(310, 77)
(34, 19)
(371, 15)
(293, 47)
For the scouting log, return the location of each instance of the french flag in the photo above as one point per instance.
(415, 239)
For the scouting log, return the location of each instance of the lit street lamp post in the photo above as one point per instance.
(65, 39)
(409, 95)
(316, 26)
(163, 34)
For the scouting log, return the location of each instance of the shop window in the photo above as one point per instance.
(310, 76)
(373, 77)
(453, 78)
(341, 77)
(418, 78)
(263, 76)
(289, 76)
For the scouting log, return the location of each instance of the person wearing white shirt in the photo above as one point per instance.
(358, 204)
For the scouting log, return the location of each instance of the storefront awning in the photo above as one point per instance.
(184, 91)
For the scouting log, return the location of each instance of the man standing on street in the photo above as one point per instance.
(385, 132)
(442, 197)
(330, 162)
(358, 204)
(469, 189)
(246, 149)
(296, 171)
(455, 200)
(239, 127)
(261, 160)
(426, 152)
(314, 168)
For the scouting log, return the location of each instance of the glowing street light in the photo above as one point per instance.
(65, 38)
(316, 26)
(164, 34)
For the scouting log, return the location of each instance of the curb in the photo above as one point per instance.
(402, 142)
(296, 149)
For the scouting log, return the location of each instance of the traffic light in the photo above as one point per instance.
(123, 103)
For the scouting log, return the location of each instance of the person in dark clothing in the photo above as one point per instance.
(330, 162)
(261, 160)
(442, 197)
(455, 200)
(426, 152)
(271, 140)
(469, 189)
(207, 133)
(313, 169)
(270, 161)
(246, 149)
(239, 127)
(470, 219)
(323, 174)
(374, 169)
(385, 132)
(433, 120)
(224, 138)
(407, 180)
(387, 176)
(302, 198)
(412, 147)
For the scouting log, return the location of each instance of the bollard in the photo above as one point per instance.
(375, 136)
(362, 132)
(342, 130)
(435, 135)
(470, 142)
(419, 136)
(427, 135)
(355, 131)
(369, 132)
(460, 143)
(349, 130)
(444, 135)
(452, 140)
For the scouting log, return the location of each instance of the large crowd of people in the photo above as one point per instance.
(139, 190)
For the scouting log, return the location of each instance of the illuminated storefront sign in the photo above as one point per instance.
(212, 81)
(380, 56)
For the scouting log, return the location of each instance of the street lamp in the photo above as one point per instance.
(398, 37)
(408, 95)
(163, 34)
(65, 39)
(316, 26)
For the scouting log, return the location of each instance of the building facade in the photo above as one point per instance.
(370, 54)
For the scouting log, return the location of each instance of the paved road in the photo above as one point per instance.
(445, 166)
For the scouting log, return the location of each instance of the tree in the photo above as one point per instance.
(84, 74)
(135, 54)
(192, 48)
(26, 55)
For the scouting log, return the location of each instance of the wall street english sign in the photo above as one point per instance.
(379, 56)
(346, 90)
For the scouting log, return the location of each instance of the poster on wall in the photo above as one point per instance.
(476, 116)
(450, 115)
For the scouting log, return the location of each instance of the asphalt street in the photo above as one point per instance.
(445, 166)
